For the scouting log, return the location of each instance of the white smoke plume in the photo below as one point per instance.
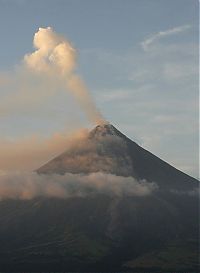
(56, 57)
(31, 185)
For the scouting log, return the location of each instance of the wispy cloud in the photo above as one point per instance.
(161, 34)
(118, 95)
(158, 96)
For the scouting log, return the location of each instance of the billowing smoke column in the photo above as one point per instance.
(55, 56)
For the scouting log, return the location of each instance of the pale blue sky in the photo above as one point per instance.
(150, 93)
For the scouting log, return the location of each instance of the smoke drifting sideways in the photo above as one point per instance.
(31, 152)
(26, 186)
(56, 57)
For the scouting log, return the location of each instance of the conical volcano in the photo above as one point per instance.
(106, 149)
(101, 232)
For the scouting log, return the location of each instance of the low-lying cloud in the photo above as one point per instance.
(31, 185)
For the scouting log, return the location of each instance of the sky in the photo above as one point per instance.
(138, 58)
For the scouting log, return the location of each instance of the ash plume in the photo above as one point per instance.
(85, 154)
(56, 57)
(28, 153)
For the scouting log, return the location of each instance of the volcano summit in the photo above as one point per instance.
(106, 149)
(157, 232)
(103, 150)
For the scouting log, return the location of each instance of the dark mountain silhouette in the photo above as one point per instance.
(151, 233)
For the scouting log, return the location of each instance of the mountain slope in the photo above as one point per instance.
(101, 232)
(108, 150)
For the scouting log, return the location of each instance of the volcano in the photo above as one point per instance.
(107, 150)
(95, 233)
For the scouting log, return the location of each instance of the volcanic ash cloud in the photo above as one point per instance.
(56, 57)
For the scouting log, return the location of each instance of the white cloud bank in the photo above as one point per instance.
(31, 185)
